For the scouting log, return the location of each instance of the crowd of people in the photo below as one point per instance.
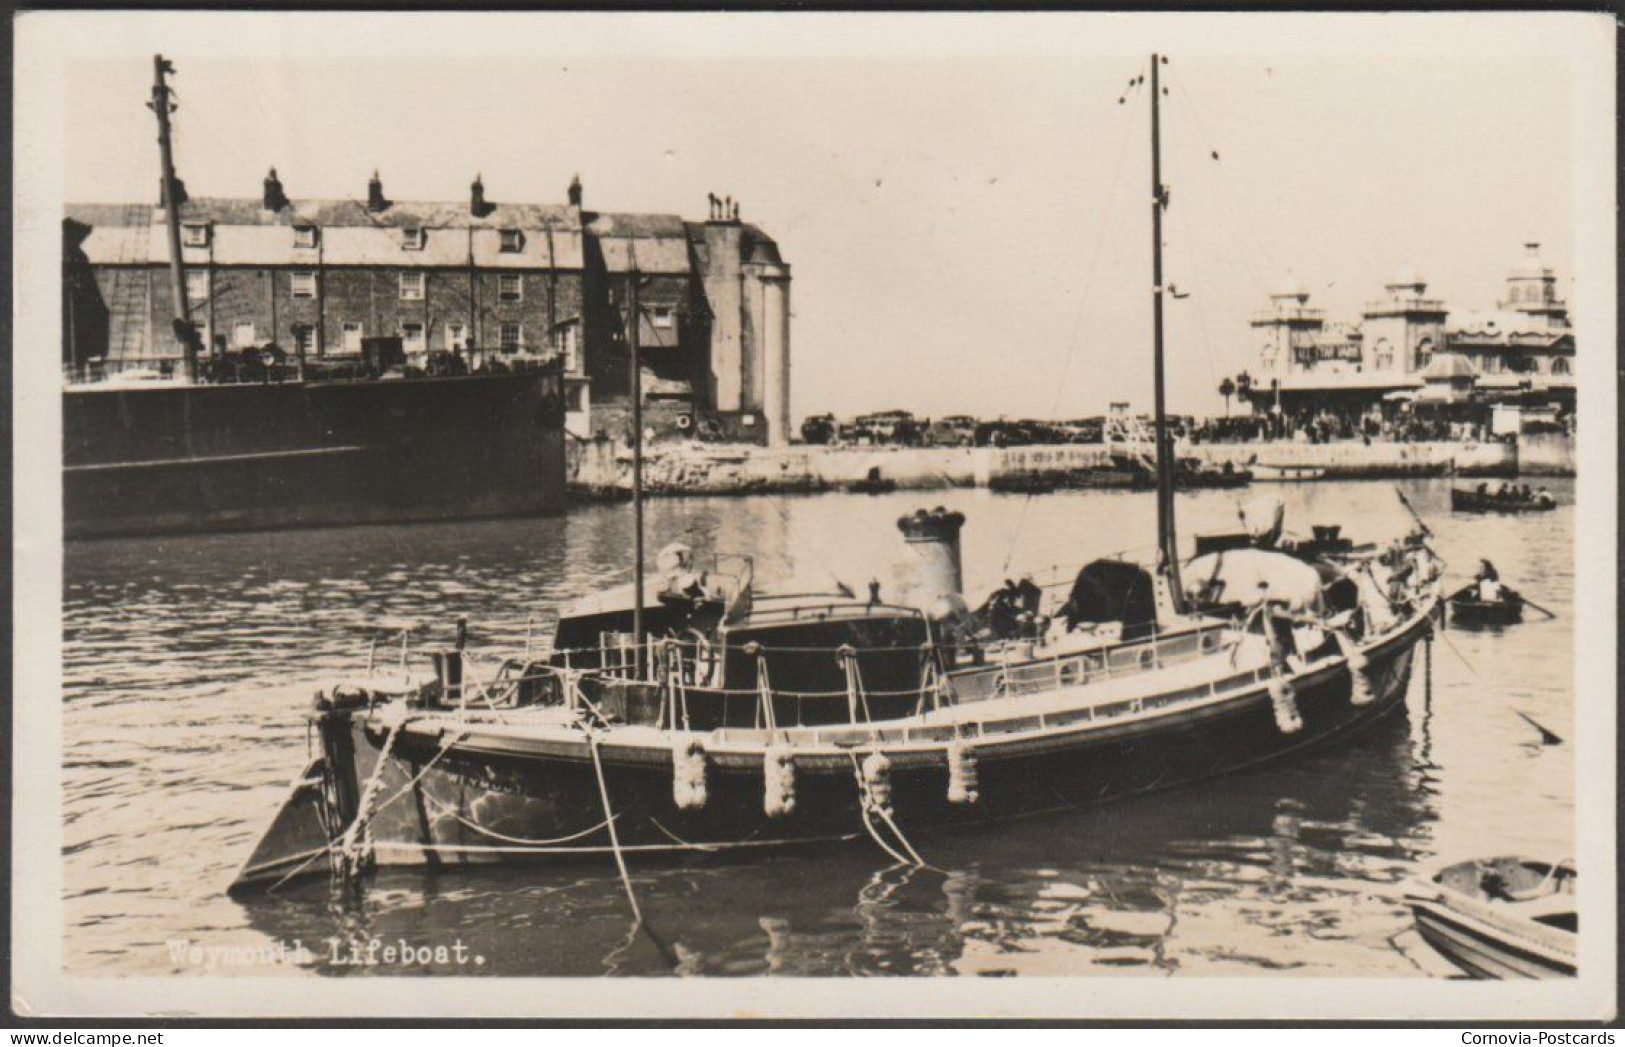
(1324, 426)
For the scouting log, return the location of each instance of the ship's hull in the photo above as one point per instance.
(180, 459)
(476, 797)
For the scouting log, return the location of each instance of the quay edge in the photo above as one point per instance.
(599, 469)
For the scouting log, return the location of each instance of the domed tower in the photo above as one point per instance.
(1532, 290)
(1288, 331)
(1401, 332)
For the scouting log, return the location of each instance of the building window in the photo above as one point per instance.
(1560, 365)
(578, 399)
(570, 347)
(513, 337)
(302, 285)
(456, 336)
(412, 239)
(243, 334)
(513, 241)
(195, 234)
(353, 333)
(304, 236)
(197, 285)
(304, 339)
(412, 337)
(412, 287)
(510, 287)
(662, 316)
(1424, 353)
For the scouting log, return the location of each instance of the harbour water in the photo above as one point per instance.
(189, 663)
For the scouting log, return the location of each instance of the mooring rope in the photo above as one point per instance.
(357, 839)
(866, 806)
(609, 815)
(674, 838)
(448, 811)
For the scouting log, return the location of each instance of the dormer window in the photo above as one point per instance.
(412, 238)
(304, 236)
(513, 241)
(195, 234)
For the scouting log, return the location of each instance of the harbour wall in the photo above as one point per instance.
(603, 467)
(1546, 454)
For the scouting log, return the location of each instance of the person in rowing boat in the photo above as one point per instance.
(1488, 583)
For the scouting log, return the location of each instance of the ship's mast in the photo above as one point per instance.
(635, 390)
(1167, 542)
(162, 105)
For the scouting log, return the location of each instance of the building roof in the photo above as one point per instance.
(1503, 326)
(1343, 380)
(1407, 277)
(242, 232)
(1449, 365)
(659, 241)
(1291, 287)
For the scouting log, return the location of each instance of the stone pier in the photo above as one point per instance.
(696, 468)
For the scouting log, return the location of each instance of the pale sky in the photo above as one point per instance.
(959, 228)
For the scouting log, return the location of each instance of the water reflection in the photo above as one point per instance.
(189, 662)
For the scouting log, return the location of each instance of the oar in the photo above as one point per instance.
(1538, 607)
(1406, 502)
(1547, 737)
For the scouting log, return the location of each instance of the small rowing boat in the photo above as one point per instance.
(1487, 501)
(1501, 917)
(1467, 609)
(1286, 473)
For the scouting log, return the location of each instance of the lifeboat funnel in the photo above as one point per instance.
(933, 573)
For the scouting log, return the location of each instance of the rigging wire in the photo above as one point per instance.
(1229, 198)
(1132, 95)
(1194, 255)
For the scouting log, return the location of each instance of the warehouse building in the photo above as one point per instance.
(482, 282)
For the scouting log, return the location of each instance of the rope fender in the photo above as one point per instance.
(1360, 690)
(962, 781)
(688, 774)
(1284, 700)
(778, 782)
(877, 781)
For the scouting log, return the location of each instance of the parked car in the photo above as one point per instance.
(886, 427)
(954, 430)
(819, 429)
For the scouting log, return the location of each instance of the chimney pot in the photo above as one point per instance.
(375, 194)
(476, 197)
(275, 198)
(575, 191)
